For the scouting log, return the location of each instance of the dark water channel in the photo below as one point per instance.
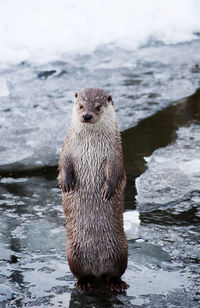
(163, 269)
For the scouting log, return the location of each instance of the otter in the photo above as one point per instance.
(92, 179)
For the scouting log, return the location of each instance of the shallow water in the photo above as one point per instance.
(163, 267)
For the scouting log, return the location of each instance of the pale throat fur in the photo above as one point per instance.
(97, 141)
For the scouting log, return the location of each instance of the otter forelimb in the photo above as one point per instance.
(67, 179)
(113, 174)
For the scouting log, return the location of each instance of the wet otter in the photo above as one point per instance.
(92, 179)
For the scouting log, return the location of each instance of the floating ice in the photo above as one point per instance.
(131, 224)
(173, 175)
(10, 180)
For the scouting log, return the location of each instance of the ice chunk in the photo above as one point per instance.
(173, 174)
(131, 224)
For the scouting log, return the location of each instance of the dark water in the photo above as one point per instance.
(163, 268)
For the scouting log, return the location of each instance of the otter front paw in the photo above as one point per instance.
(67, 182)
(107, 190)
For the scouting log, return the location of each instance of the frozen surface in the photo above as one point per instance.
(47, 30)
(36, 100)
(172, 180)
(49, 50)
(3, 88)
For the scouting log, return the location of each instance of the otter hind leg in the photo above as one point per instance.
(85, 283)
(116, 284)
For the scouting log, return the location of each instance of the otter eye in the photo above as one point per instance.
(80, 106)
(76, 94)
(109, 98)
(98, 108)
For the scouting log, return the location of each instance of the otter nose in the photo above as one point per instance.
(87, 117)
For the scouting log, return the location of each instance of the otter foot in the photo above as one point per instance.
(84, 284)
(117, 285)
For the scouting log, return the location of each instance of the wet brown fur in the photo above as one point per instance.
(92, 179)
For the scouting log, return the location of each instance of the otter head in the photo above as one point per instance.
(90, 104)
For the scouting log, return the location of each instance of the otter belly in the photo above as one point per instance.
(96, 243)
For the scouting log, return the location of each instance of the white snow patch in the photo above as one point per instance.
(38, 30)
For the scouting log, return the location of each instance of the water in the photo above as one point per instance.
(152, 71)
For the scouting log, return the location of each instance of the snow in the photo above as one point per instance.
(37, 30)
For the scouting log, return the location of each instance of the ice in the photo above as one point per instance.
(48, 29)
(12, 180)
(172, 179)
(36, 114)
(5, 293)
(49, 50)
(3, 88)
(131, 224)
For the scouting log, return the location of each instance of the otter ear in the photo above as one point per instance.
(76, 94)
(110, 99)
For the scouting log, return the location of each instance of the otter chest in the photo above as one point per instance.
(91, 153)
